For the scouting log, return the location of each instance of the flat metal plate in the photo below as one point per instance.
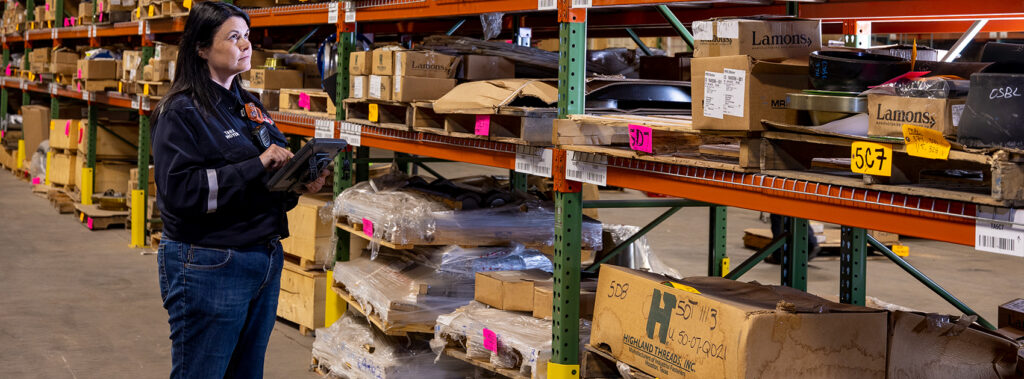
(825, 103)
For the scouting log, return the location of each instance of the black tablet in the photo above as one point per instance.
(306, 165)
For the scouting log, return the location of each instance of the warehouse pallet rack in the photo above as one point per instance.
(854, 208)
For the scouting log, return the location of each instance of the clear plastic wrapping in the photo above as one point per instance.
(639, 255)
(491, 23)
(934, 87)
(523, 342)
(351, 348)
(405, 288)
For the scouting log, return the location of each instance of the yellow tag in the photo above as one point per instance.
(52, 123)
(684, 288)
(871, 158)
(725, 266)
(925, 143)
(31, 77)
(560, 371)
(188, 4)
(373, 113)
(138, 12)
(901, 250)
(145, 89)
(152, 10)
(120, 86)
(81, 217)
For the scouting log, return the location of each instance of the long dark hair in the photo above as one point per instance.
(191, 73)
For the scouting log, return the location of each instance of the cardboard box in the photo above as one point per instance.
(357, 87)
(274, 79)
(379, 88)
(109, 146)
(508, 290)
(158, 70)
(711, 327)
(772, 38)
(887, 114)
(1011, 315)
(409, 88)
(303, 296)
(39, 57)
(383, 61)
(359, 63)
(743, 91)
(309, 235)
(131, 65)
(936, 346)
(108, 175)
(97, 69)
(544, 298)
(85, 13)
(64, 58)
(62, 169)
(166, 52)
(133, 180)
(425, 64)
(35, 125)
(64, 134)
(486, 67)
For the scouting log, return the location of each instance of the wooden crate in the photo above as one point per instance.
(424, 119)
(320, 104)
(303, 296)
(390, 114)
(309, 238)
(62, 169)
(391, 329)
(525, 126)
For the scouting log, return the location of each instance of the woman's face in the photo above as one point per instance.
(230, 52)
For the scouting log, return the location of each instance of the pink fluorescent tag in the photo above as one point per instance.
(79, 86)
(81, 131)
(47, 7)
(490, 340)
(89, 224)
(641, 138)
(368, 227)
(36, 181)
(67, 128)
(67, 22)
(101, 17)
(304, 101)
(483, 125)
(79, 73)
(8, 70)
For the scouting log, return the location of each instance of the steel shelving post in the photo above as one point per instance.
(139, 196)
(794, 255)
(717, 222)
(343, 178)
(853, 266)
(3, 91)
(90, 158)
(565, 334)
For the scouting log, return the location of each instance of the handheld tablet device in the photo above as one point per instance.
(306, 165)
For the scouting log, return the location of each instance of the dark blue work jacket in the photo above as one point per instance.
(211, 185)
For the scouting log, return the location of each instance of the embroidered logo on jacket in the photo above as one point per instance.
(230, 133)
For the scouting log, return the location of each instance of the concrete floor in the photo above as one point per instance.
(76, 303)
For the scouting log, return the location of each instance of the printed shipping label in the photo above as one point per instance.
(999, 230)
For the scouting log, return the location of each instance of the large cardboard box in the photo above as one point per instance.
(425, 64)
(508, 290)
(737, 92)
(131, 65)
(711, 327)
(379, 88)
(409, 88)
(39, 59)
(64, 134)
(303, 296)
(107, 175)
(63, 62)
(309, 234)
(888, 114)
(62, 169)
(486, 67)
(166, 52)
(115, 142)
(359, 63)
(35, 125)
(544, 299)
(1011, 315)
(772, 38)
(274, 79)
(358, 87)
(937, 346)
(97, 69)
(383, 61)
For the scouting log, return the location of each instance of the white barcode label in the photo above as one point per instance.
(375, 84)
(703, 30)
(358, 87)
(92, 31)
(958, 110)
(332, 13)
(324, 129)
(999, 230)
(533, 161)
(53, 89)
(586, 168)
(351, 133)
(714, 95)
(85, 95)
(145, 103)
(135, 102)
(582, 3)
(545, 5)
(141, 27)
(350, 12)
(728, 29)
(23, 85)
(53, 33)
(148, 31)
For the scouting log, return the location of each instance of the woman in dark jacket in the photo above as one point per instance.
(213, 147)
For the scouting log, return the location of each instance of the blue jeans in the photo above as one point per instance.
(221, 306)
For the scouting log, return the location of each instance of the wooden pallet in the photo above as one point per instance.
(95, 218)
(318, 367)
(424, 119)
(390, 114)
(357, 230)
(600, 364)
(320, 103)
(518, 125)
(461, 355)
(95, 85)
(60, 201)
(385, 327)
(996, 178)
(153, 90)
(304, 263)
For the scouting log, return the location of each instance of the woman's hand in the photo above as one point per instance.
(316, 185)
(275, 157)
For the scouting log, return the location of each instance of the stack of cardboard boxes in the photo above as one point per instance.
(116, 155)
(14, 18)
(399, 75)
(155, 77)
(307, 250)
(743, 68)
(97, 74)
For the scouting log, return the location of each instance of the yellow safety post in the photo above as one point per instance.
(335, 306)
(138, 218)
(560, 371)
(49, 164)
(21, 154)
(86, 181)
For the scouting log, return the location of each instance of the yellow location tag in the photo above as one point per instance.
(145, 89)
(684, 288)
(560, 371)
(120, 87)
(901, 250)
(925, 143)
(373, 113)
(138, 12)
(81, 217)
(52, 123)
(871, 158)
(188, 4)
(725, 266)
(152, 10)
(31, 77)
